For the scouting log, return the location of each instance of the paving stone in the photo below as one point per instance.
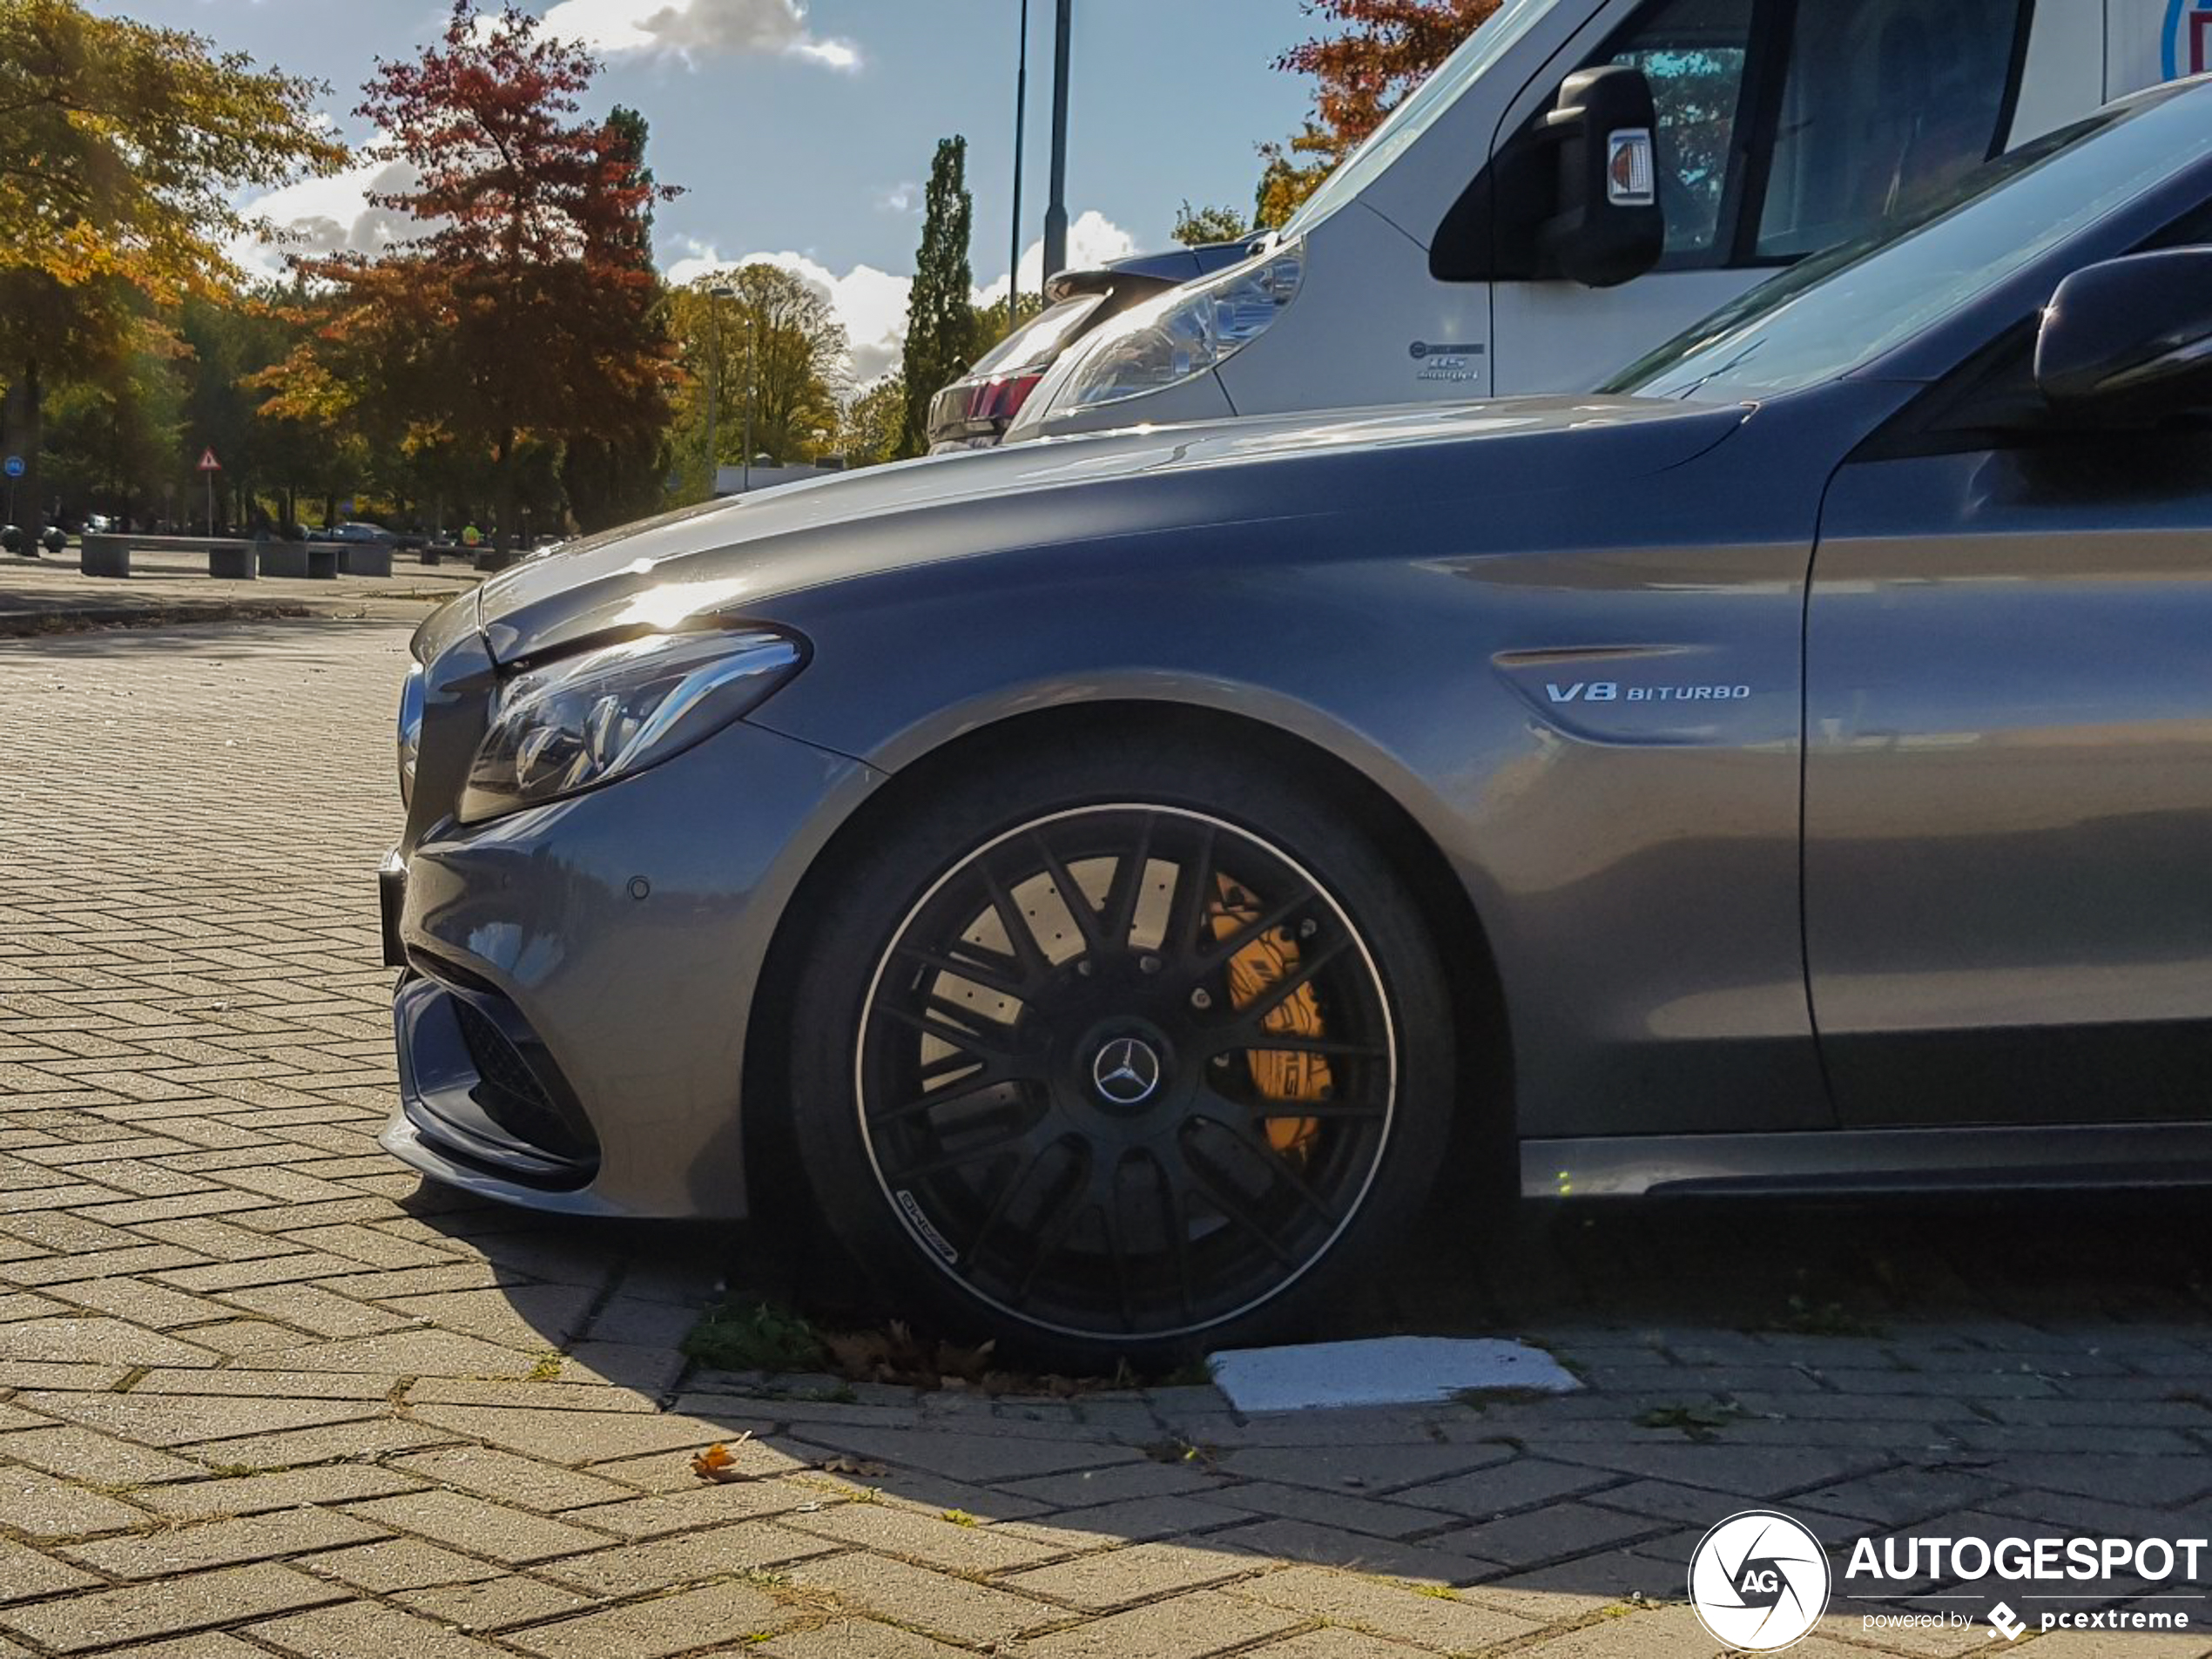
(577, 1436)
(494, 1604)
(288, 1489)
(153, 1305)
(1335, 1643)
(79, 1455)
(313, 1308)
(366, 1438)
(937, 1602)
(705, 1505)
(407, 1353)
(483, 1528)
(979, 1458)
(40, 1507)
(268, 1384)
(1445, 1624)
(1188, 1627)
(1118, 1577)
(1361, 1469)
(171, 1419)
(1303, 1540)
(524, 1481)
(98, 1341)
(399, 1564)
(1549, 1534)
(650, 1629)
(629, 1569)
(1134, 1520)
(223, 1543)
(364, 1628)
(855, 1639)
(228, 1596)
(1082, 1488)
(25, 1573)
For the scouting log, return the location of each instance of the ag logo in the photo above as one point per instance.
(1759, 1582)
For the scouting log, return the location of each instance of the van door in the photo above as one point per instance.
(1785, 127)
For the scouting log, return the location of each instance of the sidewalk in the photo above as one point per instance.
(50, 595)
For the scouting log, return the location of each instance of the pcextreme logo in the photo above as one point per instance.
(1758, 1582)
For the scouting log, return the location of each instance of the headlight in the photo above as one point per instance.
(410, 729)
(1186, 331)
(603, 714)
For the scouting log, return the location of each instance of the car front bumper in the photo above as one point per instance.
(580, 977)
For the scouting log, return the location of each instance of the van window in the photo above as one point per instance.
(1693, 53)
(1884, 104)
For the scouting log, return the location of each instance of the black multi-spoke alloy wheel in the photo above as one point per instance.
(1126, 1057)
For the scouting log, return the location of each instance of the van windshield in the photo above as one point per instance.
(1847, 306)
(1418, 109)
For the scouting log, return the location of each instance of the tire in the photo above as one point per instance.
(1196, 1110)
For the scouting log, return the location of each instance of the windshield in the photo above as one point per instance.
(1038, 341)
(1847, 306)
(1418, 109)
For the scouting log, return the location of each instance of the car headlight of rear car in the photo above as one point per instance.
(603, 714)
(1187, 331)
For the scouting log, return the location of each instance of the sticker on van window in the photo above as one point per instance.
(1630, 179)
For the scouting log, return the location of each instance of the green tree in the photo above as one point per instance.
(773, 344)
(940, 312)
(1198, 227)
(874, 426)
(122, 149)
(614, 476)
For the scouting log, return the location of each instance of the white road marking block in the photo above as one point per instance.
(1382, 1370)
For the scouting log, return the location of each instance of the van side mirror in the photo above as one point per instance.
(1578, 191)
(2130, 339)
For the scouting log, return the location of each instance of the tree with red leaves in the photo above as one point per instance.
(519, 310)
(1388, 48)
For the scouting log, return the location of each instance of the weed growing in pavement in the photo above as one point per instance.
(1699, 1422)
(1809, 1319)
(961, 1518)
(755, 1337)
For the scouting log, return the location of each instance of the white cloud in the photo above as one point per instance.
(691, 29)
(1093, 239)
(899, 197)
(331, 215)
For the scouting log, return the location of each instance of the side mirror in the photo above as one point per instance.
(1578, 192)
(2130, 337)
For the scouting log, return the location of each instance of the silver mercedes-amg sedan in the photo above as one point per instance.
(1115, 880)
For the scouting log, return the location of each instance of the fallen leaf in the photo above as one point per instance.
(717, 1463)
(843, 1465)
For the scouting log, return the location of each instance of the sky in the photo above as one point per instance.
(802, 130)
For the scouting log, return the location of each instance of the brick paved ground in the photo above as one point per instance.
(41, 595)
(262, 1393)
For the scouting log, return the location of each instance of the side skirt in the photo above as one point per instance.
(1885, 1160)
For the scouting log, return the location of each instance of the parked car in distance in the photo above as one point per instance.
(354, 530)
(1114, 883)
(1584, 178)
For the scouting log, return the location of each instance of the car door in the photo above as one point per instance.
(1785, 127)
(2008, 768)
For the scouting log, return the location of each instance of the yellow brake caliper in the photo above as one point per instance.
(1278, 1075)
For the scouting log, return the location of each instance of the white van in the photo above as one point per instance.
(1442, 260)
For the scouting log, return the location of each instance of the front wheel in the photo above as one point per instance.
(1122, 1058)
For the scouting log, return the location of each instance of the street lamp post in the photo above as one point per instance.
(1021, 118)
(744, 474)
(1056, 212)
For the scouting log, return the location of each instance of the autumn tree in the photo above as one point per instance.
(940, 313)
(122, 149)
(772, 345)
(1198, 227)
(517, 315)
(1387, 48)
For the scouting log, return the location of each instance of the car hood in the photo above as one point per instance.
(728, 557)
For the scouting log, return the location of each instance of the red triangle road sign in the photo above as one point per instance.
(207, 461)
